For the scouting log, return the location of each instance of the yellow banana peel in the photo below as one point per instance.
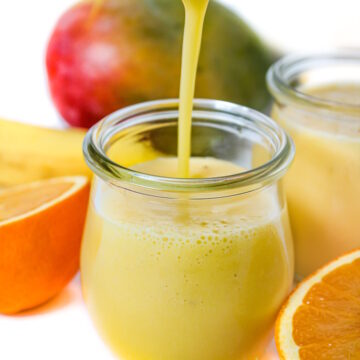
(29, 153)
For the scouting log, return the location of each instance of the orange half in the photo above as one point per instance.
(321, 319)
(41, 227)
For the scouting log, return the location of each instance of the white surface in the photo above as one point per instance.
(59, 330)
(62, 329)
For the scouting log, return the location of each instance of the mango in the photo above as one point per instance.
(108, 54)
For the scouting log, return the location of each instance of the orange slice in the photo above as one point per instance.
(41, 227)
(321, 318)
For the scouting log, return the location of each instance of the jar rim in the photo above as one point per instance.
(108, 170)
(280, 75)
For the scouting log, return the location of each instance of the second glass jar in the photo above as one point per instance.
(317, 101)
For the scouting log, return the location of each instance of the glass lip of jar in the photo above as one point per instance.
(110, 171)
(280, 74)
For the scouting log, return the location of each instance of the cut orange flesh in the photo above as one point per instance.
(20, 201)
(321, 319)
(41, 227)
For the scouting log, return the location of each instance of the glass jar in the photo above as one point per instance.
(317, 100)
(186, 268)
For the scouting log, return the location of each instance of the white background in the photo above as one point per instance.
(25, 26)
(62, 329)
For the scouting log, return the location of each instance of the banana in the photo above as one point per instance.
(29, 153)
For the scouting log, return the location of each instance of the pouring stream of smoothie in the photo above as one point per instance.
(195, 11)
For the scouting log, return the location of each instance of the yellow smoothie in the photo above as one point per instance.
(195, 11)
(323, 185)
(162, 285)
(169, 277)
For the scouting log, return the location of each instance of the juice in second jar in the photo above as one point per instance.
(323, 185)
(185, 283)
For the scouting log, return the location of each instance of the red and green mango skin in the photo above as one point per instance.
(100, 59)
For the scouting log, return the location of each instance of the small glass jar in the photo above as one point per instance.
(186, 268)
(317, 101)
